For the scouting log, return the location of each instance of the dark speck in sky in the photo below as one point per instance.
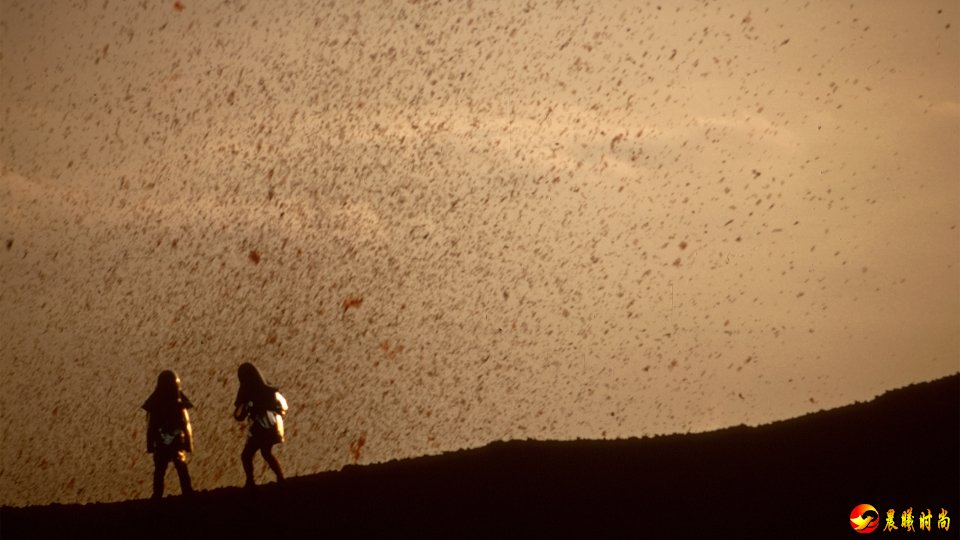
(351, 302)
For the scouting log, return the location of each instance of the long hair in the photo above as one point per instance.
(167, 393)
(252, 385)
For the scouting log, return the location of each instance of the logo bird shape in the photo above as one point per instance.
(862, 522)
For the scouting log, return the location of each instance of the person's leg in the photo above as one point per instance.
(246, 458)
(180, 464)
(267, 452)
(159, 471)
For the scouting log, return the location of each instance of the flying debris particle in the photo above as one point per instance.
(9, 244)
(673, 54)
(356, 446)
(784, 42)
(178, 6)
(615, 140)
(683, 245)
(677, 262)
(254, 256)
(390, 352)
(351, 302)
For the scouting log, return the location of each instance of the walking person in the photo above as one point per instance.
(169, 436)
(265, 407)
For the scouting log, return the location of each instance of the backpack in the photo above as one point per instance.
(171, 430)
(267, 421)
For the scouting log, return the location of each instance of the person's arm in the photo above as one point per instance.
(151, 436)
(281, 404)
(187, 432)
(240, 412)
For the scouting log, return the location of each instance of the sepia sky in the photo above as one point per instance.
(439, 224)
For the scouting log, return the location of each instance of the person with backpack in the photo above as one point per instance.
(169, 436)
(265, 407)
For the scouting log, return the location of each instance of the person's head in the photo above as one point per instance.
(250, 376)
(168, 386)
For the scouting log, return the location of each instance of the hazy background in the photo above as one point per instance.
(440, 224)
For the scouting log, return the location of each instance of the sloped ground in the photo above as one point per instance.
(793, 479)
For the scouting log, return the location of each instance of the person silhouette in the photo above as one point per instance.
(265, 407)
(169, 436)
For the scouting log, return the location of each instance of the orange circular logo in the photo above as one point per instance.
(864, 519)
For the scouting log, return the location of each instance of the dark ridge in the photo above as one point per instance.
(797, 478)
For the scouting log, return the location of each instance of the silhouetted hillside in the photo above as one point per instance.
(797, 478)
